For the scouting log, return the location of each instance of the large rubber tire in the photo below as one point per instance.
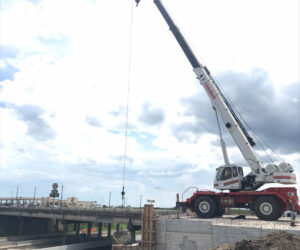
(205, 207)
(267, 208)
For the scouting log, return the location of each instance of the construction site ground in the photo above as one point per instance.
(250, 221)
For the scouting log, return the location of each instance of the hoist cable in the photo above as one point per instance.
(220, 131)
(259, 140)
(127, 103)
(274, 152)
(257, 137)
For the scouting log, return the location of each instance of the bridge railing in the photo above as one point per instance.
(134, 213)
(117, 212)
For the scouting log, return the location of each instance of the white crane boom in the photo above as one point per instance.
(258, 176)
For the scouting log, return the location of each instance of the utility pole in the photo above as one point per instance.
(109, 199)
(17, 195)
(61, 197)
(141, 198)
(34, 202)
(17, 192)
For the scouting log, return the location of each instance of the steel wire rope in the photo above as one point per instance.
(260, 141)
(236, 110)
(257, 137)
(127, 104)
(255, 134)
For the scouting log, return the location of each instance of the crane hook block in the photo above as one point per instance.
(137, 2)
(123, 192)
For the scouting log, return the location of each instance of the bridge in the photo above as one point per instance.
(58, 218)
(97, 214)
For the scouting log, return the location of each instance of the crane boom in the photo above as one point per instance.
(218, 100)
(258, 175)
(179, 37)
(194, 61)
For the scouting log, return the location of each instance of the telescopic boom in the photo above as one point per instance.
(219, 102)
(258, 176)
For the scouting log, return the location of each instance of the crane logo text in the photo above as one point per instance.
(210, 91)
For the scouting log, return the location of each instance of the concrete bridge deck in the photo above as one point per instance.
(103, 215)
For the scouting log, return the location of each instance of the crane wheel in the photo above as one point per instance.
(267, 208)
(205, 207)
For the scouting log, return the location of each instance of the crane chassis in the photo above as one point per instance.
(268, 204)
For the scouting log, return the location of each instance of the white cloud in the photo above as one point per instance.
(73, 63)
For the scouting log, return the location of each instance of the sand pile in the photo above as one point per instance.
(279, 240)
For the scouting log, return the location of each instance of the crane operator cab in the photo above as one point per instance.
(229, 178)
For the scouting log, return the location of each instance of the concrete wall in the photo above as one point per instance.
(186, 234)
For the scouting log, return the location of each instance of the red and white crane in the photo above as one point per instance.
(268, 204)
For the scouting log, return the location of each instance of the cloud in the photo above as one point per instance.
(120, 158)
(199, 108)
(93, 121)
(120, 111)
(60, 59)
(273, 114)
(8, 52)
(59, 44)
(151, 115)
(34, 1)
(37, 127)
(8, 72)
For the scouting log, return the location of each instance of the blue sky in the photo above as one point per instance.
(64, 73)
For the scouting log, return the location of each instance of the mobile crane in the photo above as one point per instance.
(268, 204)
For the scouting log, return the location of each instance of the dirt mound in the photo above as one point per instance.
(279, 240)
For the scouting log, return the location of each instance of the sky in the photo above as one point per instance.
(68, 69)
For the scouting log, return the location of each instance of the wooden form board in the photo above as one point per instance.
(148, 228)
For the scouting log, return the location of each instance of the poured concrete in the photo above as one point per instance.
(202, 234)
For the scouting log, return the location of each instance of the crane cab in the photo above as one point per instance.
(229, 178)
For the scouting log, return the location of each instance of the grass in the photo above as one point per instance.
(239, 211)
